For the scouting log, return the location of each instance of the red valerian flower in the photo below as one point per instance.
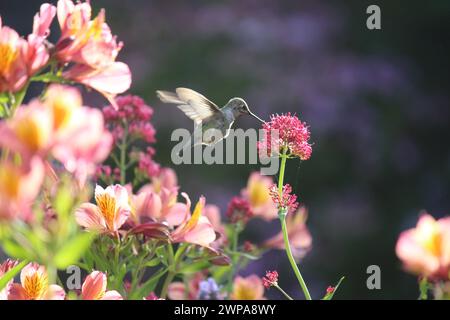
(239, 210)
(286, 201)
(285, 133)
(271, 279)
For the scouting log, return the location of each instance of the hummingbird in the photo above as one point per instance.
(206, 113)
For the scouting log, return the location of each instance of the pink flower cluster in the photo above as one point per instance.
(285, 133)
(271, 279)
(146, 163)
(129, 119)
(133, 115)
(286, 200)
(239, 210)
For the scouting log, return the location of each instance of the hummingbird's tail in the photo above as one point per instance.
(169, 97)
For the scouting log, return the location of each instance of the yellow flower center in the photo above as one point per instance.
(243, 292)
(8, 54)
(30, 132)
(35, 286)
(9, 182)
(107, 205)
(63, 109)
(95, 28)
(258, 194)
(429, 236)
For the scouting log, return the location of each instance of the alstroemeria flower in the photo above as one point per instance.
(166, 179)
(13, 67)
(29, 132)
(43, 19)
(110, 213)
(36, 53)
(34, 285)
(158, 200)
(299, 235)
(425, 249)
(257, 194)
(36, 127)
(19, 186)
(84, 144)
(21, 58)
(63, 102)
(59, 126)
(196, 229)
(80, 137)
(4, 268)
(94, 288)
(212, 212)
(248, 288)
(160, 207)
(165, 185)
(92, 47)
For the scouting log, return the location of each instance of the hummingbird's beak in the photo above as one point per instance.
(255, 116)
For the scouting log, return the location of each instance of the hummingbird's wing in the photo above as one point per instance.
(193, 104)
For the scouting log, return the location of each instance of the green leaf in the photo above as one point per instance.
(16, 251)
(72, 251)
(424, 286)
(194, 267)
(50, 77)
(149, 285)
(329, 296)
(11, 274)
(63, 202)
(4, 98)
(2, 110)
(243, 254)
(152, 263)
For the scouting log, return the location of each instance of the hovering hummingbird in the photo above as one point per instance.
(206, 113)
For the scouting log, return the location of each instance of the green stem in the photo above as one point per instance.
(283, 292)
(17, 100)
(291, 258)
(281, 175)
(167, 281)
(174, 260)
(52, 274)
(282, 215)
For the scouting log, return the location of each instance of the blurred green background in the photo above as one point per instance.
(377, 103)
